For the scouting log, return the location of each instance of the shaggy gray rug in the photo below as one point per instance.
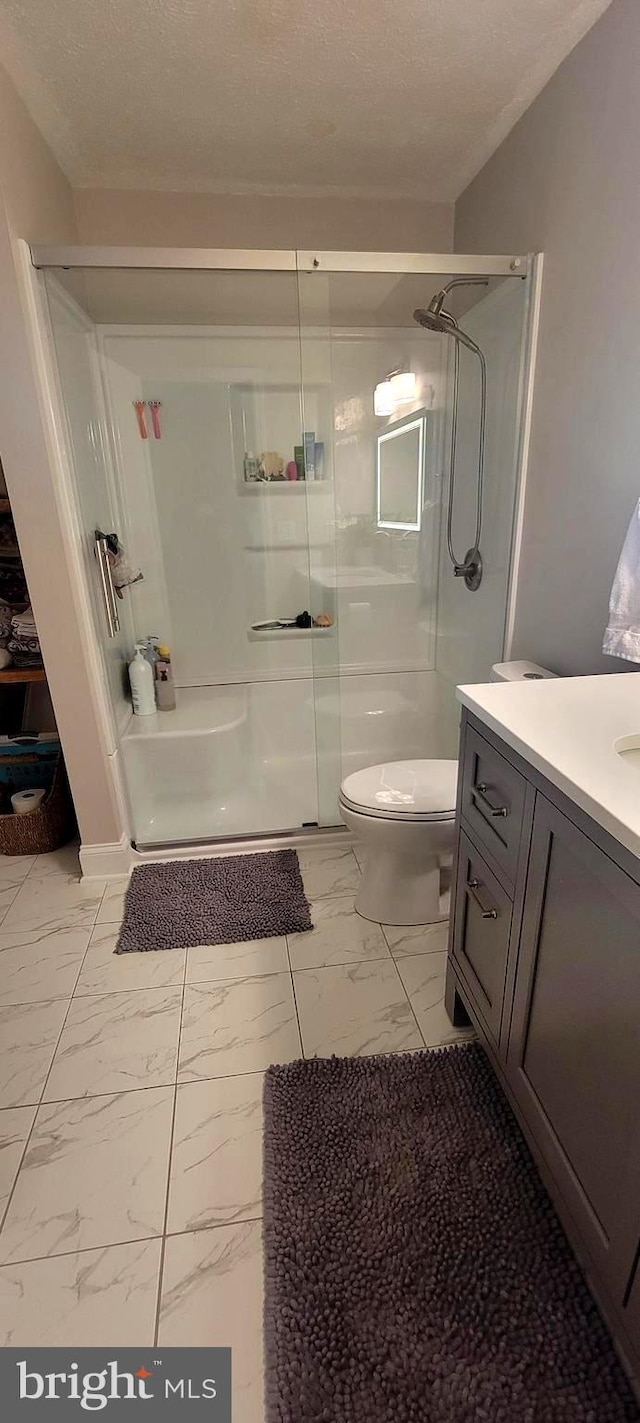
(223, 901)
(416, 1271)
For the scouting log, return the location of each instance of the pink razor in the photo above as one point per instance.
(154, 406)
(138, 406)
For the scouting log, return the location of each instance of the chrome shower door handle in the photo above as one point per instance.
(487, 910)
(108, 590)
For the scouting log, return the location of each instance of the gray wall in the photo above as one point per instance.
(158, 219)
(567, 181)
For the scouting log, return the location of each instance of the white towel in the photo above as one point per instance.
(622, 634)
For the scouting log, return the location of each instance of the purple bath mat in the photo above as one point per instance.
(416, 1271)
(184, 903)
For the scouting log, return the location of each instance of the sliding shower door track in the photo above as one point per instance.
(296, 838)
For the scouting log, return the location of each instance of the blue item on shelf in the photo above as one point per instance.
(27, 761)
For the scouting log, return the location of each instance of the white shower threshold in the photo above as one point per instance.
(109, 862)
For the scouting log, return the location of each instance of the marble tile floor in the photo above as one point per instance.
(130, 1100)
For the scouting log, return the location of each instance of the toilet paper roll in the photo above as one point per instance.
(24, 801)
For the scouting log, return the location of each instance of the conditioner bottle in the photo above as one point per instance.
(165, 689)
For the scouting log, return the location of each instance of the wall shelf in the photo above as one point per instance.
(22, 674)
(262, 486)
(284, 548)
(287, 634)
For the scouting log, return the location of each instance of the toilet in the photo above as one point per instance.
(403, 812)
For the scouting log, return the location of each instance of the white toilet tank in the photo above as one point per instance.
(519, 672)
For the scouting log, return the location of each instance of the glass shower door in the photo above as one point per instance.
(97, 505)
(376, 567)
(199, 438)
(284, 496)
(322, 528)
(471, 627)
(408, 630)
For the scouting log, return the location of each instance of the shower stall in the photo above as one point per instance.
(288, 458)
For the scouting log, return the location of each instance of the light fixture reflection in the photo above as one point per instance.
(383, 398)
(399, 388)
(403, 385)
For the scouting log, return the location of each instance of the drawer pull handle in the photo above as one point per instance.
(487, 911)
(479, 792)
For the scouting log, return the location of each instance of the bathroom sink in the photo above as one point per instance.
(629, 748)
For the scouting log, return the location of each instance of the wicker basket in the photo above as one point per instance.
(48, 827)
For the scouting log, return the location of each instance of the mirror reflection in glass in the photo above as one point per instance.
(399, 474)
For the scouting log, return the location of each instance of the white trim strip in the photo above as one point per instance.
(233, 259)
(524, 447)
(405, 263)
(182, 259)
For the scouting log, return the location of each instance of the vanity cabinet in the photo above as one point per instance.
(493, 794)
(483, 911)
(544, 957)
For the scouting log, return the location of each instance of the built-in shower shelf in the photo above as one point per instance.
(286, 634)
(282, 486)
(283, 547)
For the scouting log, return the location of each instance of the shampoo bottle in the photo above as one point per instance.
(165, 689)
(142, 684)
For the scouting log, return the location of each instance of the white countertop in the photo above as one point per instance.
(566, 728)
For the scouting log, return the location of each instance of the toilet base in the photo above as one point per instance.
(401, 889)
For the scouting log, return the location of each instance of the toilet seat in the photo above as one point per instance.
(403, 790)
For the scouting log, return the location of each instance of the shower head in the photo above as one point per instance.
(435, 318)
(445, 324)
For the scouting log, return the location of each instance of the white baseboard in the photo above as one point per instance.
(112, 861)
(106, 861)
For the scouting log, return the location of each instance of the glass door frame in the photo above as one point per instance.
(231, 259)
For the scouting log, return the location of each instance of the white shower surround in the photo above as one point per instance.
(217, 556)
(263, 722)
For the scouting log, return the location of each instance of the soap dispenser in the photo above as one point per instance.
(142, 684)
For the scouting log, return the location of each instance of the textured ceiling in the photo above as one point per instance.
(370, 98)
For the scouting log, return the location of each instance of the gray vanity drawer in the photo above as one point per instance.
(481, 932)
(493, 795)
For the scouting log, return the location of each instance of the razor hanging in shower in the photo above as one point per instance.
(138, 406)
(155, 406)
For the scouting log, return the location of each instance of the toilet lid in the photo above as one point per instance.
(413, 790)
